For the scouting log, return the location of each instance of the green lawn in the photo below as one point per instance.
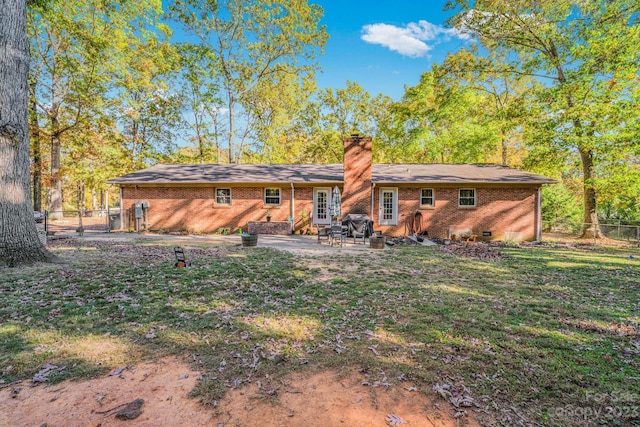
(549, 335)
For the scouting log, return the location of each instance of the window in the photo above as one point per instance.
(223, 196)
(426, 197)
(271, 196)
(467, 198)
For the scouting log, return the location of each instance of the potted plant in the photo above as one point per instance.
(249, 239)
(268, 215)
(468, 237)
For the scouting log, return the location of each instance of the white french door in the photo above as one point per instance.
(321, 200)
(388, 206)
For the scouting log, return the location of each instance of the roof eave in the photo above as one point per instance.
(438, 182)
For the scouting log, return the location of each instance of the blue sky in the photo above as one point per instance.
(383, 45)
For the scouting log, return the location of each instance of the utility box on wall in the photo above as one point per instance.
(141, 210)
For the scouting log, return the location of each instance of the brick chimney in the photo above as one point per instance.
(356, 193)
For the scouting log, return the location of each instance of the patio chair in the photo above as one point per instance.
(324, 232)
(338, 234)
(359, 235)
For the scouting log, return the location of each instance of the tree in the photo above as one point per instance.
(80, 50)
(149, 109)
(19, 242)
(504, 96)
(320, 127)
(586, 52)
(259, 46)
(442, 121)
(200, 94)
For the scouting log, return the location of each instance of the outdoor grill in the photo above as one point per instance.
(360, 223)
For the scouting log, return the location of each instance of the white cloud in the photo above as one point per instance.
(410, 40)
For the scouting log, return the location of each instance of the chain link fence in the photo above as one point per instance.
(615, 231)
(68, 222)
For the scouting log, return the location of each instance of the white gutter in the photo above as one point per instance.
(293, 208)
(539, 215)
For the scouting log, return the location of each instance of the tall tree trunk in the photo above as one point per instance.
(55, 198)
(94, 199)
(36, 164)
(591, 227)
(231, 130)
(19, 242)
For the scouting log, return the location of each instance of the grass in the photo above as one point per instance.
(548, 336)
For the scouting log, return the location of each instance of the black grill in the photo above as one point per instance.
(360, 223)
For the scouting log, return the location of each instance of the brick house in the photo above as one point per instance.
(492, 201)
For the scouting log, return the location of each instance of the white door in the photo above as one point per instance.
(321, 205)
(388, 209)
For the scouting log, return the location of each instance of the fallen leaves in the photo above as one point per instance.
(393, 420)
(117, 371)
(414, 310)
(43, 374)
(476, 250)
(458, 395)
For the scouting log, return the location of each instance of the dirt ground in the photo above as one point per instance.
(319, 400)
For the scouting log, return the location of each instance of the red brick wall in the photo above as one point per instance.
(356, 194)
(498, 210)
(193, 209)
(304, 202)
(271, 227)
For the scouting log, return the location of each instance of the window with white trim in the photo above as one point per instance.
(271, 196)
(467, 197)
(223, 196)
(426, 197)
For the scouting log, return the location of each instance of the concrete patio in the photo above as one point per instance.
(296, 244)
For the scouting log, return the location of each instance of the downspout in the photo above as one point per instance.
(539, 215)
(293, 209)
(373, 196)
(122, 212)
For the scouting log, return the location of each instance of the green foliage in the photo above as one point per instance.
(264, 59)
(503, 99)
(201, 95)
(317, 133)
(440, 121)
(586, 53)
(98, 82)
(560, 208)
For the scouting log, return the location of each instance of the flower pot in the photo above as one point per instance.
(376, 242)
(250, 240)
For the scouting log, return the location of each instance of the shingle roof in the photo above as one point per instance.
(329, 173)
(454, 174)
(244, 173)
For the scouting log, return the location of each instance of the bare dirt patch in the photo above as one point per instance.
(328, 399)
(316, 400)
(163, 385)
